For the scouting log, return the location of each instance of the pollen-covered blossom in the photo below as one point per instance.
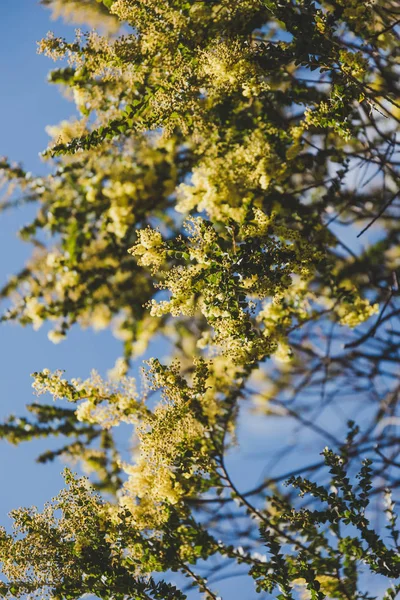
(67, 280)
(119, 371)
(227, 66)
(327, 583)
(227, 182)
(82, 11)
(53, 383)
(121, 213)
(283, 353)
(100, 317)
(56, 336)
(109, 403)
(149, 248)
(34, 310)
(223, 274)
(106, 403)
(160, 475)
(356, 311)
(66, 130)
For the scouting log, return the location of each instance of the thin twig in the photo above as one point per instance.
(380, 213)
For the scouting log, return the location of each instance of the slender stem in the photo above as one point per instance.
(256, 513)
(200, 582)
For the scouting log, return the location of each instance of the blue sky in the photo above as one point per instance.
(27, 104)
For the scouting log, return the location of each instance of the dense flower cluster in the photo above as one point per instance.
(199, 199)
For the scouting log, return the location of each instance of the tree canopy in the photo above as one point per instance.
(225, 158)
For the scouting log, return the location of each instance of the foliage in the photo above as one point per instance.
(219, 152)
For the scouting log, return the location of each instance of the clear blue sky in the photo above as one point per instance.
(27, 104)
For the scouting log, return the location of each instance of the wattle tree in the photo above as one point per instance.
(206, 204)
